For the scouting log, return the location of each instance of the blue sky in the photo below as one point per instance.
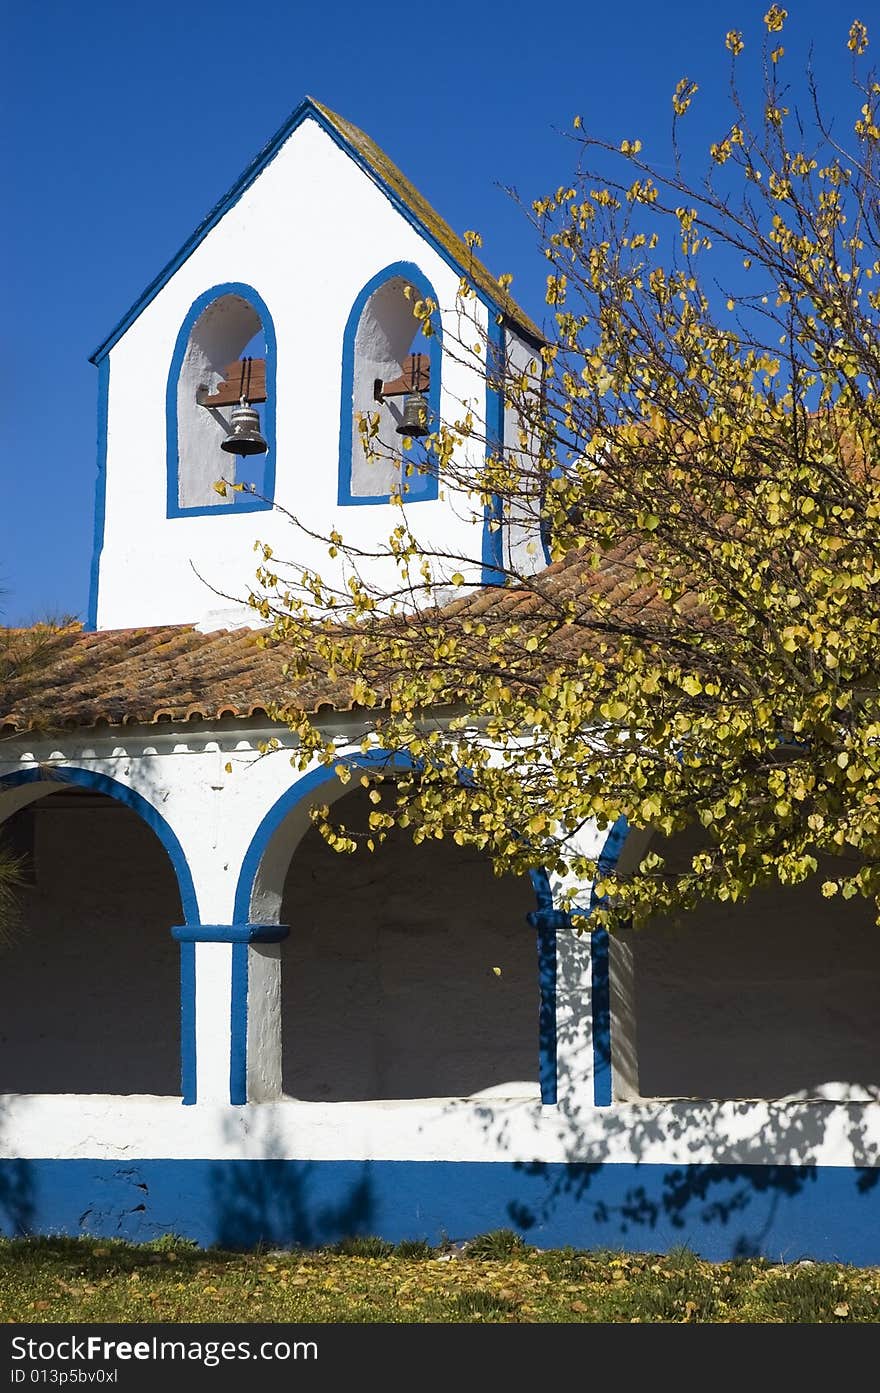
(124, 125)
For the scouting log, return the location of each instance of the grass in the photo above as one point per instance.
(495, 1278)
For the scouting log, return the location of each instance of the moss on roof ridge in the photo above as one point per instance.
(389, 173)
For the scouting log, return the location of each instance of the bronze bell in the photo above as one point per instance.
(245, 436)
(415, 416)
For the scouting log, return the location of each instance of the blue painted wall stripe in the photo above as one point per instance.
(242, 502)
(421, 487)
(100, 492)
(783, 1213)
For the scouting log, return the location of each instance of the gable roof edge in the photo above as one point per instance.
(311, 110)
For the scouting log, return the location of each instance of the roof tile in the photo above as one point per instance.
(71, 679)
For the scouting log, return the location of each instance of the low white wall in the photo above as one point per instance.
(670, 1133)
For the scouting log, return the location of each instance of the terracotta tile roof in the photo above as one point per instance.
(176, 673)
(575, 609)
(144, 676)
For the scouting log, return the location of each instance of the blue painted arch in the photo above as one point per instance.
(421, 486)
(299, 793)
(544, 919)
(242, 502)
(60, 775)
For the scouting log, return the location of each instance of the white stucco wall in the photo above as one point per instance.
(90, 981)
(181, 772)
(774, 997)
(389, 982)
(668, 1133)
(522, 537)
(309, 271)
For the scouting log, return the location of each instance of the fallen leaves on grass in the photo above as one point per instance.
(74, 1280)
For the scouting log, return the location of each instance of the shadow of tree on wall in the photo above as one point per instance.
(684, 1200)
(17, 1199)
(765, 1155)
(286, 1202)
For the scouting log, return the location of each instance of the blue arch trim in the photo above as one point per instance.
(242, 502)
(545, 919)
(493, 535)
(103, 783)
(298, 793)
(245, 888)
(421, 487)
(188, 1069)
(238, 1091)
(100, 492)
(240, 936)
(600, 973)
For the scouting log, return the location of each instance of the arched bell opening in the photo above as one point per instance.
(221, 404)
(772, 997)
(390, 370)
(409, 972)
(89, 976)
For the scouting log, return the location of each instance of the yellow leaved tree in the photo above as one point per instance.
(703, 457)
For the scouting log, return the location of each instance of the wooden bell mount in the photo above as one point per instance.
(415, 377)
(244, 378)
